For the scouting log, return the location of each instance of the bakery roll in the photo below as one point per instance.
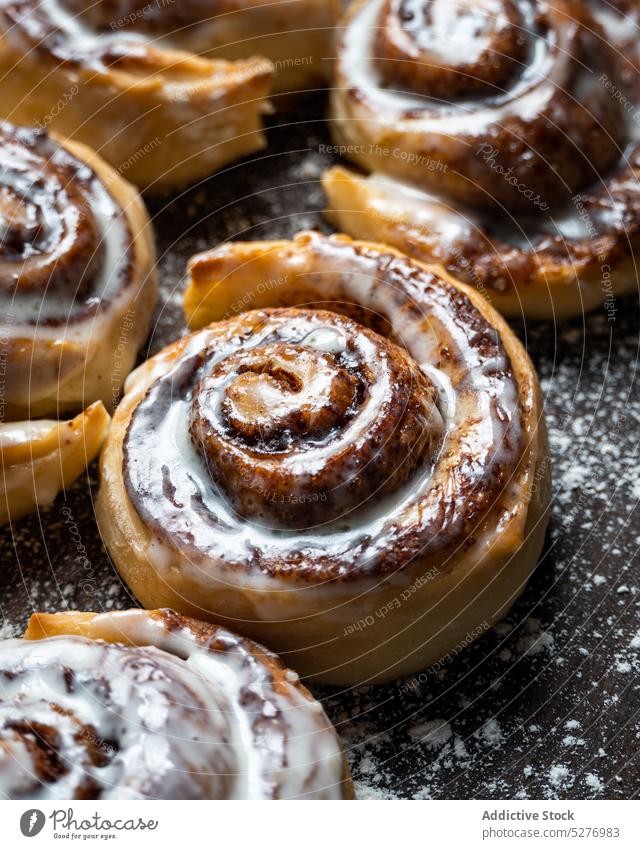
(120, 78)
(295, 35)
(138, 704)
(77, 292)
(499, 139)
(354, 471)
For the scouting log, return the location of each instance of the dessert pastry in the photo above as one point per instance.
(77, 292)
(113, 77)
(355, 471)
(41, 458)
(140, 704)
(295, 35)
(500, 142)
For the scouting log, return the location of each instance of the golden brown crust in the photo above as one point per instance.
(40, 459)
(455, 580)
(530, 121)
(162, 117)
(77, 293)
(548, 277)
(527, 191)
(297, 37)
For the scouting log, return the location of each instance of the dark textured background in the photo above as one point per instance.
(544, 706)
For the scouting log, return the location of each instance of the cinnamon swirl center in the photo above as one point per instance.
(65, 245)
(506, 96)
(449, 49)
(328, 416)
(48, 233)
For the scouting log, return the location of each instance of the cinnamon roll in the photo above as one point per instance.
(355, 471)
(119, 77)
(500, 139)
(77, 292)
(134, 705)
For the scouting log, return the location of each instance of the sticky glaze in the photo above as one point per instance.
(541, 237)
(478, 423)
(181, 711)
(598, 228)
(552, 108)
(76, 258)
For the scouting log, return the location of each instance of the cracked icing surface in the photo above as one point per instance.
(545, 705)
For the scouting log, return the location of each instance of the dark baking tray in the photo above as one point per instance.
(544, 706)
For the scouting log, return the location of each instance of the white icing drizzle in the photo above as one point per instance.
(74, 31)
(66, 313)
(173, 718)
(438, 216)
(526, 99)
(214, 547)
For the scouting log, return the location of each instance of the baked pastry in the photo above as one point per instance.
(295, 35)
(136, 705)
(77, 292)
(499, 140)
(355, 471)
(39, 459)
(112, 76)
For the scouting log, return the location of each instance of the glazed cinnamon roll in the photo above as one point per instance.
(354, 471)
(119, 77)
(501, 141)
(135, 705)
(77, 292)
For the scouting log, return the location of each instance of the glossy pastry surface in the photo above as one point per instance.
(108, 77)
(139, 704)
(77, 293)
(499, 140)
(367, 427)
(39, 459)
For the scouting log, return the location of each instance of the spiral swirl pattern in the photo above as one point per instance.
(527, 85)
(60, 228)
(152, 705)
(76, 261)
(302, 451)
(501, 143)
